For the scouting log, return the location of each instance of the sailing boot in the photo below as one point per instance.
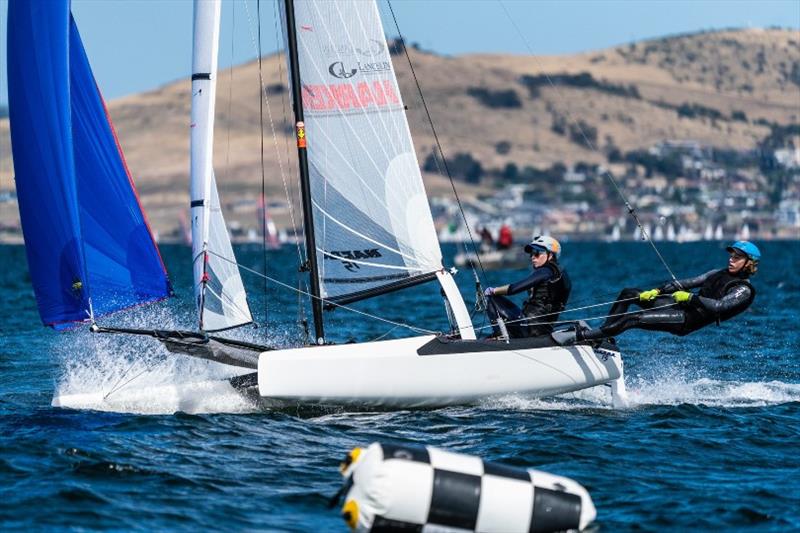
(565, 337)
(571, 336)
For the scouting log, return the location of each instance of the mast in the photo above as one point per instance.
(204, 60)
(305, 185)
(219, 292)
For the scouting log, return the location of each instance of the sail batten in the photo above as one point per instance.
(219, 292)
(372, 221)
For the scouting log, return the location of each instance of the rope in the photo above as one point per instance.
(436, 138)
(275, 135)
(591, 146)
(593, 305)
(328, 302)
(287, 188)
(226, 174)
(379, 337)
(263, 212)
(524, 319)
(117, 385)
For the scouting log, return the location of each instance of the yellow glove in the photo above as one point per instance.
(682, 296)
(648, 296)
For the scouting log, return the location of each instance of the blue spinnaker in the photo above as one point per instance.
(86, 236)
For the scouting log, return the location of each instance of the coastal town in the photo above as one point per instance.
(680, 190)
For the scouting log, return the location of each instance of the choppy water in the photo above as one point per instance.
(712, 440)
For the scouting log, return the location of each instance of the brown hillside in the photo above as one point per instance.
(743, 77)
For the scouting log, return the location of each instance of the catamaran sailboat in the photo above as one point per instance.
(368, 224)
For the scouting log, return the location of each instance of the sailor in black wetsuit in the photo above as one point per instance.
(723, 294)
(548, 289)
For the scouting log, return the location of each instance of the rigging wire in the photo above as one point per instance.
(264, 97)
(598, 317)
(432, 332)
(436, 138)
(383, 335)
(262, 213)
(226, 175)
(288, 188)
(281, 168)
(117, 386)
(328, 302)
(591, 146)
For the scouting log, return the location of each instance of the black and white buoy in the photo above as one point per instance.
(410, 488)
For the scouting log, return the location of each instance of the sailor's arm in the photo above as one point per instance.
(737, 296)
(684, 284)
(539, 275)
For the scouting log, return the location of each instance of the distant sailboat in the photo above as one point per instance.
(615, 234)
(708, 234)
(744, 233)
(184, 228)
(271, 237)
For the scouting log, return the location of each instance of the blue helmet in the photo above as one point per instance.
(747, 248)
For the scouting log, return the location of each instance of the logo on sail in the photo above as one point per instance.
(374, 48)
(345, 255)
(337, 70)
(345, 96)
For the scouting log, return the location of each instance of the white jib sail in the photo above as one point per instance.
(219, 292)
(372, 222)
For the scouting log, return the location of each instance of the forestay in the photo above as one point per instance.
(90, 250)
(372, 221)
(218, 288)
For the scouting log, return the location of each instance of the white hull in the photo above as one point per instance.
(392, 374)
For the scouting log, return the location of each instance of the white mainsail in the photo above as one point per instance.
(372, 222)
(219, 293)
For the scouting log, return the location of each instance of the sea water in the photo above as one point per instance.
(711, 440)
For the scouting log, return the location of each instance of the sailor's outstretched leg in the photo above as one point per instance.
(578, 334)
(625, 299)
(667, 320)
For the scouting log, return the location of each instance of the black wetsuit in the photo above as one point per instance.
(548, 291)
(721, 296)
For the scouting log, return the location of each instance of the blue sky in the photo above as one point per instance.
(135, 45)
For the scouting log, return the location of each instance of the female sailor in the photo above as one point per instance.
(548, 289)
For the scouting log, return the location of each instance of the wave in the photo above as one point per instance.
(673, 391)
(137, 375)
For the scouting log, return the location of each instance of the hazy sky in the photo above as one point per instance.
(135, 45)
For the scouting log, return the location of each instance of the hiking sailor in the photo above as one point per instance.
(723, 294)
(548, 289)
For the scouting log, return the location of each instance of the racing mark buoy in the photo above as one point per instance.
(409, 488)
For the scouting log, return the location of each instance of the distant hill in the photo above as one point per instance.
(722, 88)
